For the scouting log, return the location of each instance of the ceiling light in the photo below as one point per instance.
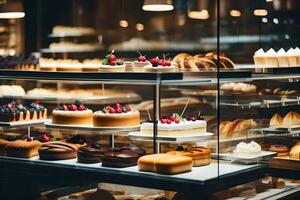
(203, 14)
(264, 20)
(276, 21)
(10, 9)
(260, 12)
(235, 13)
(158, 5)
(139, 27)
(123, 23)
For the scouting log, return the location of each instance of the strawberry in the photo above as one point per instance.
(163, 121)
(81, 107)
(73, 107)
(177, 121)
(113, 62)
(64, 107)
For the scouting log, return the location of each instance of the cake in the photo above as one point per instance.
(259, 58)
(116, 116)
(141, 61)
(15, 112)
(122, 157)
(251, 148)
(91, 65)
(176, 126)
(77, 140)
(282, 57)
(160, 65)
(91, 153)
(11, 90)
(3, 144)
(200, 155)
(276, 120)
(165, 164)
(57, 151)
(281, 150)
(23, 148)
(271, 58)
(74, 114)
(112, 64)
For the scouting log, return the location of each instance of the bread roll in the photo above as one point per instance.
(295, 152)
(276, 120)
(291, 119)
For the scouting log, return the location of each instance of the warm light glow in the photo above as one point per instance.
(269, 0)
(235, 13)
(158, 7)
(12, 15)
(276, 21)
(123, 23)
(264, 20)
(260, 12)
(203, 14)
(139, 27)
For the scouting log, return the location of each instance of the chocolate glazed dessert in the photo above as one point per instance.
(58, 151)
(122, 157)
(91, 153)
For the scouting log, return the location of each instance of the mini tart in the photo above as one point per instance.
(57, 151)
(159, 68)
(112, 68)
(23, 148)
(140, 64)
(84, 117)
(200, 155)
(101, 119)
(281, 150)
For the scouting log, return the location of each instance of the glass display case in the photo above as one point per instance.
(201, 100)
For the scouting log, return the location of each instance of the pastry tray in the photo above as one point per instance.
(247, 159)
(23, 123)
(180, 139)
(282, 130)
(49, 125)
(285, 163)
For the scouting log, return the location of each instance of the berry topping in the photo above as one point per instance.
(177, 121)
(169, 121)
(193, 119)
(127, 108)
(119, 110)
(120, 62)
(188, 119)
(81, 108)
(112, 57)
(117, 106)
(110, 109)
(172, 118)
(44, 137)
(28, 139)
(141, 58)
(73, 107)
(113, 63)
(124, 110)
(64, 108)
(163, 121)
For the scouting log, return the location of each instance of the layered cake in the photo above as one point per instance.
(15, 112)
(160, 65)
(122, 157)
(57, 151)
(112, 64)
(116, 116)
(165, 163)
(176, 126)
(91, 153)
(23, 148)
(74, 114)
(141, 61)
(200, 155)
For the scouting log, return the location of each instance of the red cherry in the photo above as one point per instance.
(119, 110)
(81, 107)
(116, 106)
(113, 63)
(64, 107)
(127, 108)
(154, 60)
(163, 121)
(112, 57)
(29, 139)
(177, 121)
(193, 119)
(160, 62)
(172, 118)
(142, 59)
(188, 119)
(169, 121)
(167, 63)
(73, 107)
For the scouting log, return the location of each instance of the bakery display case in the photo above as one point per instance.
(198, 102)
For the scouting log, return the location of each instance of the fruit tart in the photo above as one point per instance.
(112, 64)
(160, 65)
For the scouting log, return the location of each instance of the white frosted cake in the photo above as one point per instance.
(251, 148)
(176, 127)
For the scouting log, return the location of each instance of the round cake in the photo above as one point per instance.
(116, 116)
(112, 64)
(176, 126)
(57, 151)
(74, 114)
(160, 65)
(141, 61)
(91, 153)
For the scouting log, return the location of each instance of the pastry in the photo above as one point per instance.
(291, 119)
(46, 64)
(72, 30)
(251, 148)
(281, 150)
(282, 58)
(3, 144)
(112, 64)
(160, 65)
(74, 114)
(122, 157)
(200, 155)
(91, 65)
(293, 57)
(141, 61)
(23, 148)
(276, 120)
(271, 58)
(116, 116)
(77, 140)
(176, 126)
(259, 58)
(67, 46)
(238, 87)
(165, 163)
(11, 90)
(239, 126)
(91, 153)
(57, 151)
(14, 112)
(295, 152)
(68, 65)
